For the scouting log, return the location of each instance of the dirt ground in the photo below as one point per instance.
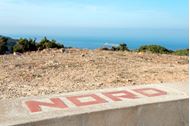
(57, 71)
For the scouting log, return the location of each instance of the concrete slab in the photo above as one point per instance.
(142, 105)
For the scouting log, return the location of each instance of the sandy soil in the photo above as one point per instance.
(55, 71)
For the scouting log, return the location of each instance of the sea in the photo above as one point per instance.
(171, 39)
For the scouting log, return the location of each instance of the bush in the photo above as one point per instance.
(121, 47)
(182, 52)
(24, 45)
(3, 39)
(18, 48)
(154, 49)
(45, 43)
(3, 47)
(32, 46)
(104, 49)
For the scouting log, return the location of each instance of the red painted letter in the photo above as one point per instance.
(150, 92)
(118, 95)
(86, 100)
(34, 106)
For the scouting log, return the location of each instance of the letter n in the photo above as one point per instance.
(35, 106)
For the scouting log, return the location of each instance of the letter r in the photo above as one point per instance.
(120, 95)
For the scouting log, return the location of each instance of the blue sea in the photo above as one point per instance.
(172, 39)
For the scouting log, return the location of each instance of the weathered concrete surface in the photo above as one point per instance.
(144, 105)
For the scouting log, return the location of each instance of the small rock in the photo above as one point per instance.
(130, 80)
(16, 53)
(133, 83)
(141, 53)
(62, 50)
(100, 85)
(82, 55)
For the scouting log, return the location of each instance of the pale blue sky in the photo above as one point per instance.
(144, 21)
(94, 13)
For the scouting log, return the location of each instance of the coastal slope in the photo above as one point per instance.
(54, 71)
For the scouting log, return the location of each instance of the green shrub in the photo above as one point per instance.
(154, 49)
(18, 48)
(3, 43)
(32, 46)
(45, 43)
(3, 39)
(24, 45)
(105, 49)
(182, 52)
(121, 47)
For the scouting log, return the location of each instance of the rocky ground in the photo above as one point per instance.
(57, 71)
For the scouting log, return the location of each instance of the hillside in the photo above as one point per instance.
(54, 71)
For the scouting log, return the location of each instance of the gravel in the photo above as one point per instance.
(54, 71)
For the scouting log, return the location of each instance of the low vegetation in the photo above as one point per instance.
(162, 50)
(121, 47)
(150, 49)
(154, 49)
(45, 43)
(182, 52)
(24, 45)
(3, 43)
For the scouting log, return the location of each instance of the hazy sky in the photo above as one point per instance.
(17, 15)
